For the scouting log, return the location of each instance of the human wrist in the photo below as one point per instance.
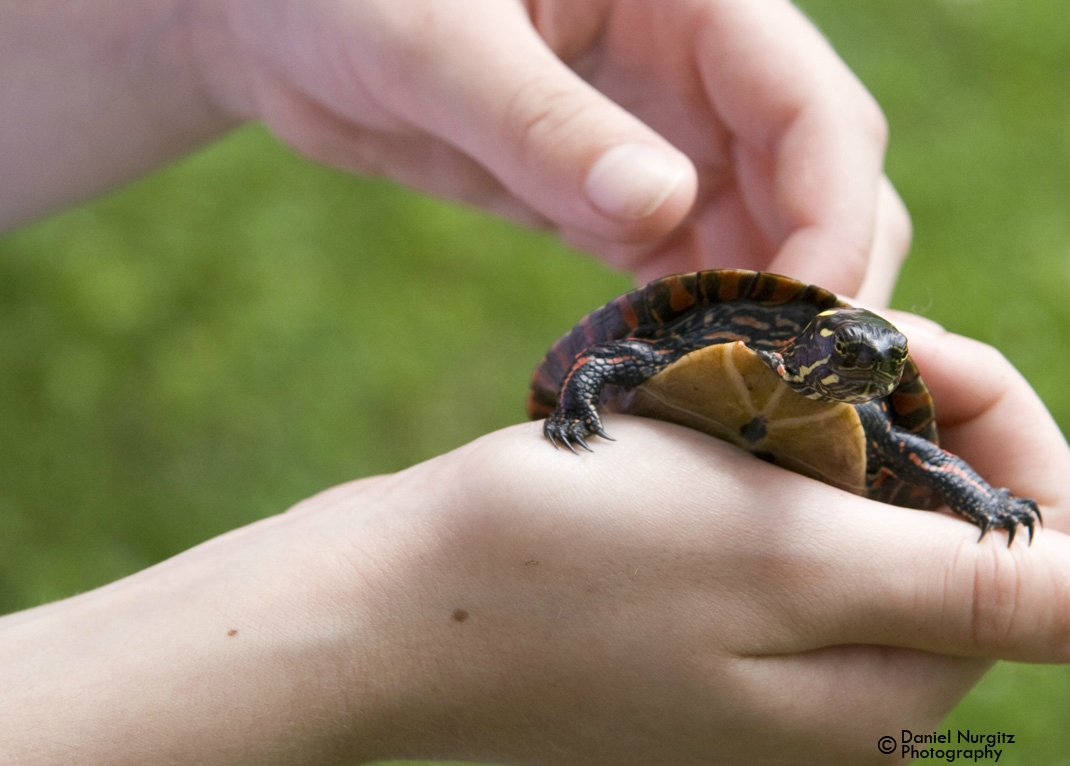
(257, 643)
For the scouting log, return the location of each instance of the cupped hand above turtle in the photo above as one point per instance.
(662, 135)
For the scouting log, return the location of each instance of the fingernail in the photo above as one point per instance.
(631, 181)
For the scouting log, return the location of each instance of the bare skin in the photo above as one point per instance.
(662, 136)
(668, 598)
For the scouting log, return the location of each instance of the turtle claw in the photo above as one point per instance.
(554, 440)
(578, 438)
(1031, 515)
(572, 430)
(596, 428)
(1028, 525)
(1026, 512)
(1010, 512)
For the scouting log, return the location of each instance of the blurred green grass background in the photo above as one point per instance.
(215, 342)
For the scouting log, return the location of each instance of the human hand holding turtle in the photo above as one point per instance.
(674, 600)
(783, 369)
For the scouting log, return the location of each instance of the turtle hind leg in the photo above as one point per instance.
(917, 460)
(965, 492)
(623, 363)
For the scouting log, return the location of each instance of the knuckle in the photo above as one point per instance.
(414, 39)
(995, 357)
(895, 222)
(871, 119)
(1014, 620)
(995, 599)
(853, 255)
(542, 106)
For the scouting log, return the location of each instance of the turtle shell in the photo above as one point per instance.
(725, 390)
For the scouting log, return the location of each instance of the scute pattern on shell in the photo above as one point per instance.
(670, 301)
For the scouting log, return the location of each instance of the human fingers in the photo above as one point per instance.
(759, 588)
(831, 690)
(898, 577)
(809, 138)
(547, 135)
(863, 572)
(894, 576)
(473, 77)
(408, 157)
(860, 572)
(786, 563)
(891, 243)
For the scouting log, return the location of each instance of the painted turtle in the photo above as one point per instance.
(783, 369)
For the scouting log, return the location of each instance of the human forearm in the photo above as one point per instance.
(93, 94)
(239, 651)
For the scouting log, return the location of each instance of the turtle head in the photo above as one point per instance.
(845, 354)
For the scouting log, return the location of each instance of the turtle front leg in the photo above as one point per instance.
(919, 461)
(624, 363)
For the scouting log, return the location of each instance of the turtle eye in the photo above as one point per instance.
(840, 347)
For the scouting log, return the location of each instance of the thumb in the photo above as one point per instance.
(552, 139)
